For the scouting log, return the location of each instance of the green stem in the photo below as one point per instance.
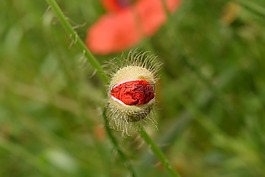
(160, 155)
(117, 147)
(73, 34)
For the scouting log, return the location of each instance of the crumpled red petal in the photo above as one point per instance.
(136, 92)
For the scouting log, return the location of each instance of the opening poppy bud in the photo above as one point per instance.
(132, 91)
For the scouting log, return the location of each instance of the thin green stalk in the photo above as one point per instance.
(160, 155)
(73, 34)
(117, 147)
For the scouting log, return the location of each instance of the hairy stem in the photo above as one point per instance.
(73, 34)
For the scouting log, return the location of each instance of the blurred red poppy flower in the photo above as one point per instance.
(126, 23)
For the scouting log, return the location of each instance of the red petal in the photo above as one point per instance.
(113, 33)
(136, 92)
(151, 14)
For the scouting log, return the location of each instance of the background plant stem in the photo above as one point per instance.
(160, 155)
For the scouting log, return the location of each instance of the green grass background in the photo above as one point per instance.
(211, 116)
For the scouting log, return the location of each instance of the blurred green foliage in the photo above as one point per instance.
(211, 114)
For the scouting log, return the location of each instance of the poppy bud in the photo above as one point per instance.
(132, 92)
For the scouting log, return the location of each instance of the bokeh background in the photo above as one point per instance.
(211, 116)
